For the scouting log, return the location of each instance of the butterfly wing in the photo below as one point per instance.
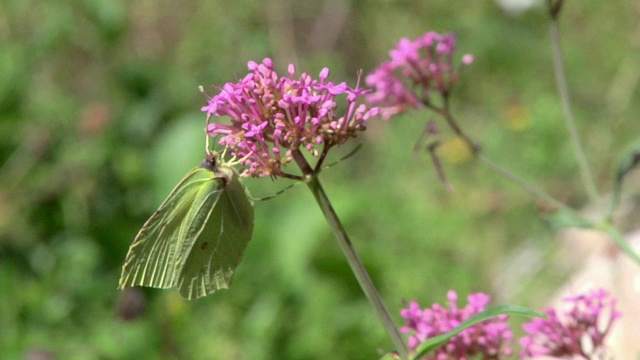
(154, 258)
(221, 225)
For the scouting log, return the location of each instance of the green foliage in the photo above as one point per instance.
(99, 118)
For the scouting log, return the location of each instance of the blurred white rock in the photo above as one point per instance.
(517, 7)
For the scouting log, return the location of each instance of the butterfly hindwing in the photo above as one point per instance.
(221, 235)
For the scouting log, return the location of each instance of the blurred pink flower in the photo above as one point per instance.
(417, 67)
(579, 330)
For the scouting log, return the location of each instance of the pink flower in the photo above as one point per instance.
(488, 339)
(579, 330)
(272, 117)
(416, 69)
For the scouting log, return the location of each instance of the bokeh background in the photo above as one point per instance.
(100, 117)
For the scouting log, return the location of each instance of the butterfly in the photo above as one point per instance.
(196, 238)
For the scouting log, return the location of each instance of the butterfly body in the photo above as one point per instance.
(196, 238)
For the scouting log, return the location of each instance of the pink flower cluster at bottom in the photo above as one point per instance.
(488, 339)
(578, 330)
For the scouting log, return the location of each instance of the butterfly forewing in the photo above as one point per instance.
(196, 239)
(154, 257)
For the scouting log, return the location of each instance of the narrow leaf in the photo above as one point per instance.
(630, 159)
(433, 343)
(560, 219)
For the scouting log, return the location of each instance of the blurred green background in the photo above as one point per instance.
(99, 119)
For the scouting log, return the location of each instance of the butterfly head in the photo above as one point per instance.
(210, 162)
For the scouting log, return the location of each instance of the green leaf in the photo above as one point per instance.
(630, 159)
(433, 343)
(196, 238)
(561, 218)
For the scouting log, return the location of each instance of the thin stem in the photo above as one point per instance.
(369, 289)
(477, 151)
(438, 166)
(614, 233)
(522, 183)
(322, 156)
(622, 243)
(614, 202)
(561, 83)
(451, 121)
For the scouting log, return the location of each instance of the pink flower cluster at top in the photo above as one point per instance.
(580, 330)
(272, 117)
(417, 67)
(488, 339)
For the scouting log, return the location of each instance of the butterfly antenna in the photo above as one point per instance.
(278, 193)
(350, 154)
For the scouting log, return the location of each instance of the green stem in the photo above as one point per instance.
(524, 185)
(622, 243)
(561, 83)
(609, 229)
(614, 202)
(356, 265)
(478, 152)
(369, 289)
(453, 124)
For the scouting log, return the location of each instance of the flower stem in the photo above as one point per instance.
(606, 227)
(561, 83)
(453, 124)
(313, 183)
(619, 239)
(524, 185)
(516, 179)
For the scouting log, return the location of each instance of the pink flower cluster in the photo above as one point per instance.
(417, 67)
(489, 339)
(579, 330)
(272, 117)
